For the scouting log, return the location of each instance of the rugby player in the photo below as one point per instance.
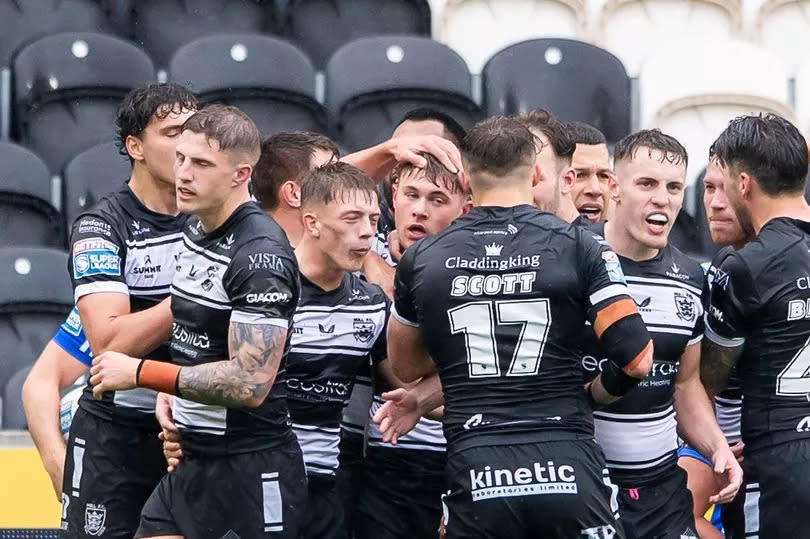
(123, 256)
(757, 318)
(639, 434)
(232, 304)
(503, 327)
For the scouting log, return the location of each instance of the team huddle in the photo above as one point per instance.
(473, 334)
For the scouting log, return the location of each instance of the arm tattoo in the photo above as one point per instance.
(255, 351)
(716, 363)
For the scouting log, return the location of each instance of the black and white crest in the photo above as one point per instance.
(364, 329)
(94, 517)
(685, 305)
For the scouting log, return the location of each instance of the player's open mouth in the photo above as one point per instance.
(362, 251)
(657, 222)
(591, 211)
(415, 232)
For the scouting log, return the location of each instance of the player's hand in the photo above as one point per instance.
(169, 433)
(398, 415)
(112, 371)
(394, 247)
(738, 449)
(728, 474)
(407, 150)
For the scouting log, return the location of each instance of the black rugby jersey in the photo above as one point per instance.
(335, 334)
(501, 297)
(638, 433)
(245, 272)
(121, 246)
(727, 403)
(760, 297)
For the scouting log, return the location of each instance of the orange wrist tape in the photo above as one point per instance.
(158, 375)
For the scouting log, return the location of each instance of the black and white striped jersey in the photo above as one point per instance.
(243, 272)
(638, 433)
(121, 246)
(335, 335)
(727, 403)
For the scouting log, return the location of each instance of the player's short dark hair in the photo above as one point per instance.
(453, 131)
(766, 146)
(286, 157)
(671, 150)
(582, 133)
(333, 181)
(498, 145)
(433, 171)
(554, 130)
(140, 104)
(231, 128)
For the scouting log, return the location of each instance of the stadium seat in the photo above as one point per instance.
(477, 29)
(91, 175)
(372, 82)
(320, 27)
(13, 413)
(23, 22)
(68, 87)
(632, 29)
(688, 94)
(574, 80)
(269, 79)
(163, 26)
(783, 27)
(27, 216)
(35, 297)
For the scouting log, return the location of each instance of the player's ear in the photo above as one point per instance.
(290, 193)
(242, 175)
(311, 224)
(569, 176)
(536, 174)
(134, 147)
(615, 189)
(744, 181)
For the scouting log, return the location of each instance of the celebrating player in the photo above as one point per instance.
(591, 160)
(758, 318)
(232, 302)
(639, 434)
(122, 260)
(501, 319)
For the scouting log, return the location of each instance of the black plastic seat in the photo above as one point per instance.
(89, 176)
(271, 80)
(574, 80)
(371, 83)
(68, 87)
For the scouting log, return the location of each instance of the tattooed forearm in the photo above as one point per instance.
(244, 380)
(716, 363)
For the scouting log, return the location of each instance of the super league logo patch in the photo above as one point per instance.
(364, 329)
(685, 306)
(94, 517)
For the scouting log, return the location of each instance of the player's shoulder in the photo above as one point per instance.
(362, 292)
(683, 267)
(103, 218)
(254, 229)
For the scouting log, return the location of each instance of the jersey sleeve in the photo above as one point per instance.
(732, 300)
(97, 257)
(70, 338)
(404, 309)
(262, 284)
(602, 274)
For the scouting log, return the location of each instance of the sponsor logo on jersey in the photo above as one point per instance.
(535, 479)
(212, 271)
(73, 324)
(364, 329)
(137, 229)
(207, 285)
(613, 267)
(183, 338)
(326, 330)
(676, 272)
(804, 425)
(298, 331)
(192, 271)
(642, 302)
(356, 295)
(720, 279)
(195, 228)
(717, 314)
(510, 231)
(227, 242)
(599, 532)
(94, 518)
(493, 249)
(320, 388)
(798, 309)
(659, 368)
(685, 306)
(91, 225)
(147, 268)
(488, 263)
(268, 297)
(95, 256)
(269, 261)
(492, 285)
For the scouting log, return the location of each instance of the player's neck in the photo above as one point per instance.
(289, 219)
(506, 198)
(769, 208)
(215, 217)
(619, 239)
(567, 210)
(317, 267)
(157, 196)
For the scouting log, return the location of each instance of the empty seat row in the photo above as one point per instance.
(73, 82)
(162, 26)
